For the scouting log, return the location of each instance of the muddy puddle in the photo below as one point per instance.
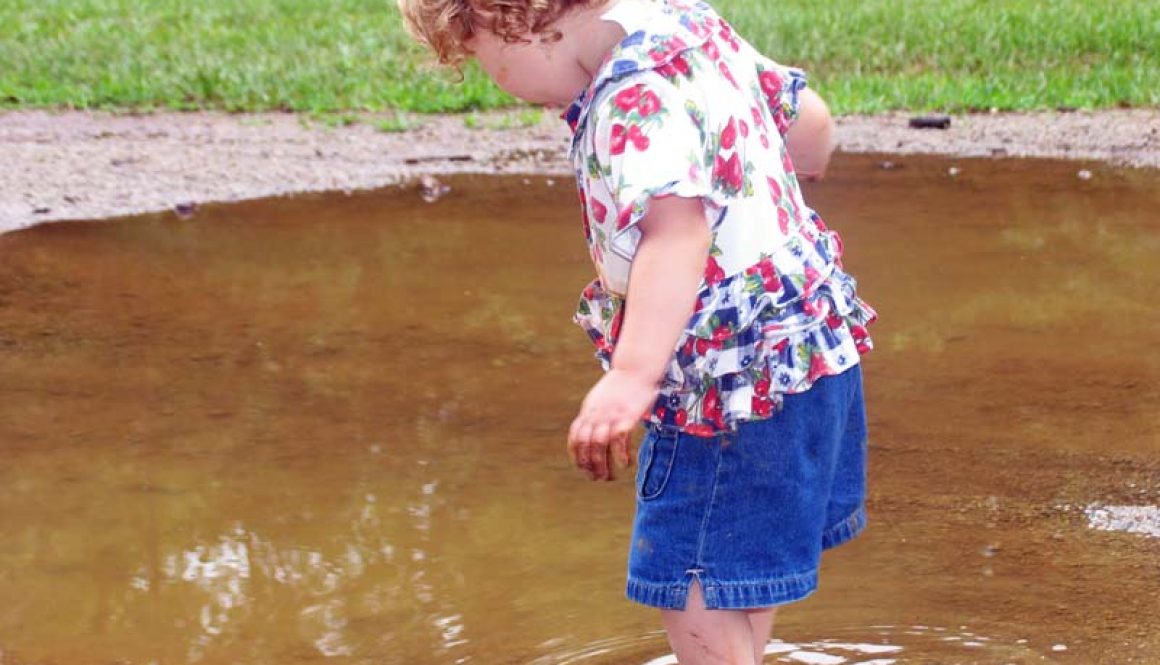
(331, 428)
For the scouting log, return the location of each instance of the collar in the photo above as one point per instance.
(675, 27)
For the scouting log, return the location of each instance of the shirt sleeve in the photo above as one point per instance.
(781, 86)
(650, 141)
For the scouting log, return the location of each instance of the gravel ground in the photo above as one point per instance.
(90, 165)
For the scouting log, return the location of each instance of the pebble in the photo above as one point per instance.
(1084, 174)
(431, 190)
(1143, 520)
(185, 209)
(930, 122)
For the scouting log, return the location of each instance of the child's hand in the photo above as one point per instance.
(599, 435)
(662, 288)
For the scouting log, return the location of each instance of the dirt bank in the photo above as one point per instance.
(83, 165)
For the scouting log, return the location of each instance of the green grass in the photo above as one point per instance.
(333, 57)
(528, 117)
(397, 122)
(957, 55)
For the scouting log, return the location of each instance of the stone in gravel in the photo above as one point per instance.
(431, 189)
(185, 209)
(930, 122)
(1142, 520)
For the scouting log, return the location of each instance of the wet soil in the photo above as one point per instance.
(329, 428)
(87, 165)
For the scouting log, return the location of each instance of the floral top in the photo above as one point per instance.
(685, 107)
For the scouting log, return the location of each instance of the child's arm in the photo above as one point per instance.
(810, 138)
(662, 290)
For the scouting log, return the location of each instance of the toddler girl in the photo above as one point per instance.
(720, 310)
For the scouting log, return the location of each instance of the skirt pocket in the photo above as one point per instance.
(658, 450)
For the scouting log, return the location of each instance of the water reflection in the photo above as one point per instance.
(329, 429)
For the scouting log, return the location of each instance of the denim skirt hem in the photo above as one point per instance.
(746, 595)
(726, 595)
(845, 530)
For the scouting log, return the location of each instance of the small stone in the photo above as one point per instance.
(41, 210)
(1084, 174)
(185, 209)
(431, 190)
(1059, 647)
(930, 122)
(887, 165)
(953, 171)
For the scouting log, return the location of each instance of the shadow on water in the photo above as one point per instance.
(330, 428)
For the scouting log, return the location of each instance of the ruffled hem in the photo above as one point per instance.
(713, 383)
(712, 386)
(731, 308)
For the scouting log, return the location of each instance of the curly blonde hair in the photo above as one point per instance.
(445, 25)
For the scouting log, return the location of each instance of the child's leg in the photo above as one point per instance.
(701, 636)
(761, 625)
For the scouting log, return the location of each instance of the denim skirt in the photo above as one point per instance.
(747, 513)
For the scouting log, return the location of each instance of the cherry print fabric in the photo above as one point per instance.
(685, 107)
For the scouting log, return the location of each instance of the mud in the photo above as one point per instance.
(87, 165)
(330, 428)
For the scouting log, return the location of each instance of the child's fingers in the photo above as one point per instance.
(587, 453)
(602, 470)
(598, 449)
(578, 444)
(597, 446)
(573, 451)
(620, 450)
(574, 443)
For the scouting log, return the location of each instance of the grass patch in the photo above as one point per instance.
(396, 122)
(875, 55)
(517, 119)
(334, 120)
(332, 57)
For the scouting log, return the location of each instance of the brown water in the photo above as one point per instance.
(330, 429)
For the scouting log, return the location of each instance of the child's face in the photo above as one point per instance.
(537, 72)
